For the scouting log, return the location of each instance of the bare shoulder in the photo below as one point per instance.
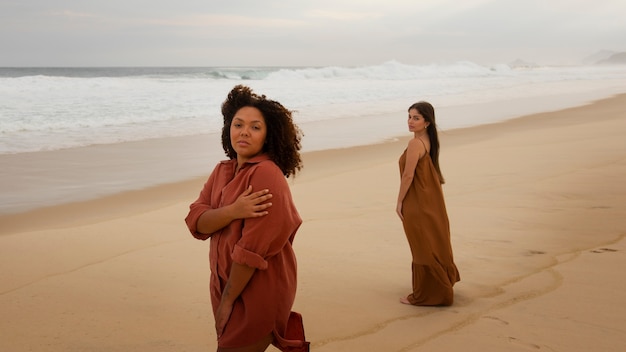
(418, 147)
(416, 144)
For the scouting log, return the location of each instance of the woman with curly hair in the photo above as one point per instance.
(247, 211)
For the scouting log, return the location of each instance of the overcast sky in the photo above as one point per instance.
(305, 33)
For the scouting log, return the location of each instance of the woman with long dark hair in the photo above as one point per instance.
(422, 209)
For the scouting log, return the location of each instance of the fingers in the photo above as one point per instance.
(260, 194)
(259, 210)
(220, 321)
(262, 199)
(247, 191)
(221, 318)
(252, 204)
(259, 197)
(220, 326)
(263, 206)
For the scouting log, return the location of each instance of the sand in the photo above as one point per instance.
(536, 206)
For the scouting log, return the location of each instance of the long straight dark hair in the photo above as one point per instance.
(428, 112)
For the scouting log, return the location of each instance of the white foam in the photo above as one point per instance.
(50, 112)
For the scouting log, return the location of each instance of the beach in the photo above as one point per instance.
(536, 207)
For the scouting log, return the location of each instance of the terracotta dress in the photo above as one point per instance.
(264, 243)
(428, 232)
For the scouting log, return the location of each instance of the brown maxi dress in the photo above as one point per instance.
(428, 231)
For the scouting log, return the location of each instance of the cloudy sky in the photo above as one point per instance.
(305, 33)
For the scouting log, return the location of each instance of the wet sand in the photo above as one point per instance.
(536, 207)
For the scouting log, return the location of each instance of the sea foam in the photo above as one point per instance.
(55, 108)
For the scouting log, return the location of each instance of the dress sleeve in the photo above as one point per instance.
(265, 236)
(200, 205)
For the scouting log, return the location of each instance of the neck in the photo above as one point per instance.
(420, 134)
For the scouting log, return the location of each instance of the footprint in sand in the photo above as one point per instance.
(602, 250)
(524, 343)
(503, 322)
(533, 252)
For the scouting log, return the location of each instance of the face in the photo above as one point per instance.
(247, 133)
(417, 122)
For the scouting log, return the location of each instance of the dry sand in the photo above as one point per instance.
(537, 207)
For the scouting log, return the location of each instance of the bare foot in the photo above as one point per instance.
(405, 300)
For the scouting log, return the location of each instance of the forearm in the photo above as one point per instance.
(401, 195)
(214, 219)
(405, 183)
(247, 205)
(239, 277)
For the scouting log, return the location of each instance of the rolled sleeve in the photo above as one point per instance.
(195, 211)
(267, 235)
(243, 256)
(202, 204)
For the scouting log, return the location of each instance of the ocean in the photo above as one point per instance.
(55, 108)
(69, 110)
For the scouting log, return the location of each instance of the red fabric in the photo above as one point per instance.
(264, 243)
(294, 340)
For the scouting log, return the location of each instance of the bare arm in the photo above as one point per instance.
(414, 151)
(247, 205)
(237, 280)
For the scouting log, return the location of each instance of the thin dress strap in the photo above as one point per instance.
(425, 148)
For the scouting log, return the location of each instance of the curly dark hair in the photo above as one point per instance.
(282, 143)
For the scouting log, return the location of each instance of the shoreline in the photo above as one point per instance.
(34, 180)
(536, 210)
(157, 195)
